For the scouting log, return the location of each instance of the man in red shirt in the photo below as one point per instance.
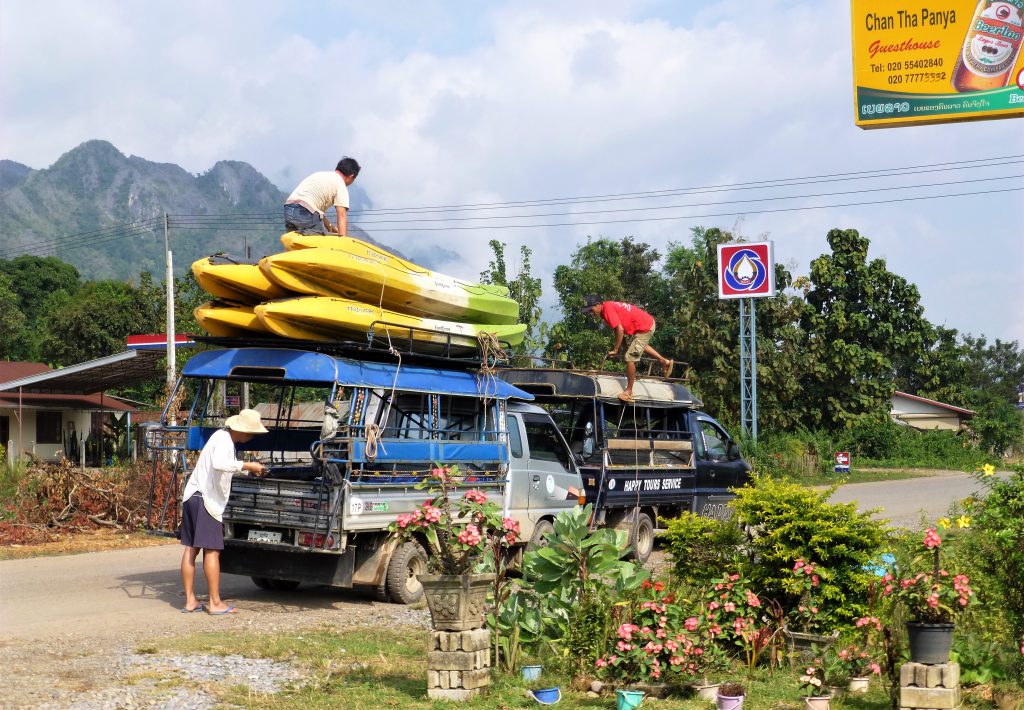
(627, 319)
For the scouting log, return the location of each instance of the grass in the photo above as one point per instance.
(387, 669)
(862, 475)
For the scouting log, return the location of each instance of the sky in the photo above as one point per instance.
(470, 103)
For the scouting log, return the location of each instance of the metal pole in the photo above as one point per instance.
(753, 371)
(748, 367)
(171, 364)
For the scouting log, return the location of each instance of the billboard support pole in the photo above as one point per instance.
(748, 367)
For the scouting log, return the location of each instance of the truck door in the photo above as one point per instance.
(554, 478)
(716, 470)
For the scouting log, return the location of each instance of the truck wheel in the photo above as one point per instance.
(643, 538)
(261, 582)
(406, 562)
(283, 585)
(540, 533)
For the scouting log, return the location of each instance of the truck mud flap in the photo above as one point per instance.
(334, 570)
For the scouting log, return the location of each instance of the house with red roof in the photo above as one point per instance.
(922, 413)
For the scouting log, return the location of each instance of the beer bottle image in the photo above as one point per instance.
(991, 46)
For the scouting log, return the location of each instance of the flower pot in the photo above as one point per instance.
(729, 702)
(708, 692)
(628, 699)
(530, 672)
(803, 647)
(930, 643)
(547, 696)
(456, 601)
(858, 685)
(817, 702)
(836, 691)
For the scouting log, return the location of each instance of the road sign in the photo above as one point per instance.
(842, 462)
(746, 270)
(232, 400)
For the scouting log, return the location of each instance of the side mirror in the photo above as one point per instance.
(588, 447)
(732, 452)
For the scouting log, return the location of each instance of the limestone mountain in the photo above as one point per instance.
(103, 212)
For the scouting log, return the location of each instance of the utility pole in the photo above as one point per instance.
(171, 365)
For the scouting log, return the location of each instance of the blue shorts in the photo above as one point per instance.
(299, 219)
(198, 527)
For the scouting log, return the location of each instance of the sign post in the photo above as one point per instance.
(746, 270)
(842, 462)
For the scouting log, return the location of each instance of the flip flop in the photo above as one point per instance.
(229, 610)
(625, 397)
(667, 370)
(185, 610)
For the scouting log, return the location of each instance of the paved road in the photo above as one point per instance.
(907, 501)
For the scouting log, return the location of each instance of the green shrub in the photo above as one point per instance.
(701, 548)
(789, 522)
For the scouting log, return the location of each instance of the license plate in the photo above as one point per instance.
(264, 536)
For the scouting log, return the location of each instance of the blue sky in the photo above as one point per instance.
(449, 103)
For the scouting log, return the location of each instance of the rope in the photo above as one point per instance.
(491, 353)
(372, 439)
(373, 431)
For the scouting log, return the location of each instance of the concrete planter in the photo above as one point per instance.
(456, 601)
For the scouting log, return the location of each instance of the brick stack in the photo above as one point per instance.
(929, 687)
(458, 664)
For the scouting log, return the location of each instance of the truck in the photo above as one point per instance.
(349, 439)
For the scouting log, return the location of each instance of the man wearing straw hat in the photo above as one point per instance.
(204, 500)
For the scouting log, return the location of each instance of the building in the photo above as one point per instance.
(925, 414)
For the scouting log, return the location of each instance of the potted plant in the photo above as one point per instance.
(812, 686)
(803, 629)
(457, 533)
(856, 661)
(932, 597)
(730, 696)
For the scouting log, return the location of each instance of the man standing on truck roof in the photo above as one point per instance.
(627, 319)
(205, 497)
(305, 207)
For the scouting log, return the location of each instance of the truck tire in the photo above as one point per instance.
(261, 582)
(283, 585)
(540, 533)
(407, 561)
(639, 536)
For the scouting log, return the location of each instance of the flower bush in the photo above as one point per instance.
(857, 658)
(804, 581)
(458, 533)
(812, 681)
(933, 595)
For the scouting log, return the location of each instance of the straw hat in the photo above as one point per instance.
(246, 421)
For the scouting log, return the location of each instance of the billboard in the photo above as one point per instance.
(746, 270)
(936, 61)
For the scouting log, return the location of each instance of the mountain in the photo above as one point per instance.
(102, 212)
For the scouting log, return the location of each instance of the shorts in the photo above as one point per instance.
(637, 345)
(198, 527)
(299, 219)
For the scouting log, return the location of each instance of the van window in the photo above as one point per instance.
(545, 442)
(515, 441)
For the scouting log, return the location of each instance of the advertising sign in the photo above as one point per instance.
(842, 462)
(937, 61)
(746, 270)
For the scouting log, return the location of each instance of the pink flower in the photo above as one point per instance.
(729, 606)
(691, 623)
(600, 663)
(798, 565)
(431, 514)
(815, 580)
(475, 496)
(931, 539)
(752, 599)
(470, 536)
(733, 577)
(714, 605)
(875, 668)
(510, 525)
(626, 631)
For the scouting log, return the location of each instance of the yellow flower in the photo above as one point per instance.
(988, 469)
(944, 523)
(963, 522)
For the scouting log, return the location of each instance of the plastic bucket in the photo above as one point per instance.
(729, 702)
(530, 672)
(547, 696)
(628, 699)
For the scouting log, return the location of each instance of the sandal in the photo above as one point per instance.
(626, 397)
(667, 370)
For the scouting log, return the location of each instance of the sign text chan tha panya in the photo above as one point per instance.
(936, 61)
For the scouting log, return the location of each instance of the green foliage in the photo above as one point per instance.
(525, 289)
(880, 441)
(999, 426)
(12, 320)
(700, 548)
(790, 522)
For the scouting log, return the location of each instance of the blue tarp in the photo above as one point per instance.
(305, 368)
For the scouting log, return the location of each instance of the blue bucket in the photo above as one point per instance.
(547, 696)
(530, 672)
(628, 699)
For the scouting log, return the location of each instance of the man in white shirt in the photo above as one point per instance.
(305, 208)
(204, 499)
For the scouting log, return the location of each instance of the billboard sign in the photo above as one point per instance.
(937, 61)
(746, 270)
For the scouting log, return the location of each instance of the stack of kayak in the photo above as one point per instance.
(329, 288)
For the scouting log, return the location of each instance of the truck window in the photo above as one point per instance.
(409, 418)
(545, 442)
(460, 418)
(515, 441)
(715, 441)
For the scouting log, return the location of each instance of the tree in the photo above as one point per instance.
(12, 320)
(524, 289)
(38, 284)
(861, 321)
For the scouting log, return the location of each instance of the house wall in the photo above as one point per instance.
(922, 415)
(22, 439)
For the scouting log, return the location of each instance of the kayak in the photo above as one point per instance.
(323, 318)
(224, 278)
(344, 267)
(228, 320)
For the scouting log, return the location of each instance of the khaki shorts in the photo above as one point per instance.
(637, 345)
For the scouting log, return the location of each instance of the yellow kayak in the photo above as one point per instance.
(345, 267)
(225, 278)
(229, 320)
(322, 318)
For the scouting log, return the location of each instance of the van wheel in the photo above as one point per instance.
(408, 561)
(643, 538)
(540, 532)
